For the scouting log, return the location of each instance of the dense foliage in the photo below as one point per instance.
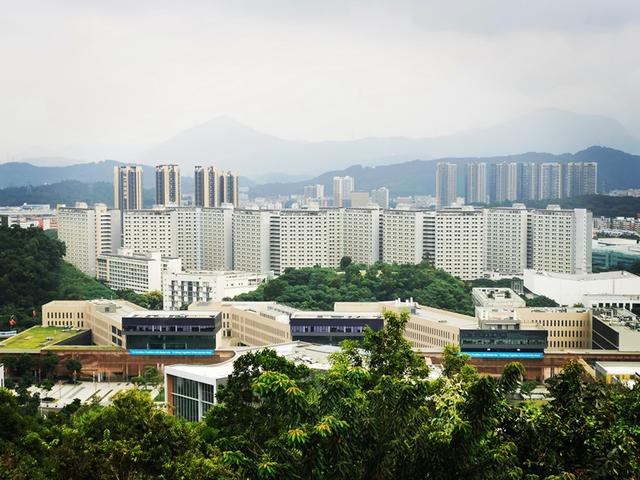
(33, 273)
(67, 192)
(318, 288)
(376, 414)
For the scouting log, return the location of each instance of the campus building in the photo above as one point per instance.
(571, 289)
(146, 332)
(191, 389)
(141, 273)
(184, 288)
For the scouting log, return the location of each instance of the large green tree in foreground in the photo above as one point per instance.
(377, 413)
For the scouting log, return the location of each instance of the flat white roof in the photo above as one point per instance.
(444, 317)
(618, 274)
(619, 368)
(314, 356)
(337, 315)
(174, 314)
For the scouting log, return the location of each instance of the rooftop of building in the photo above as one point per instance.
(619, 319)
(553, 309)
(174, 314)
(331, 315)
(584, 277)
(631, 248)
(494, 296)
(129, 255)
(313, 356)
(434, 314)
(619, 368)
(37, 338)
(219, 273)
(271, 310)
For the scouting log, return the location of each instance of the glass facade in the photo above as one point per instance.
(503, 340)
(173, 332)
(331, 331)
(191, 399)
(602, 259)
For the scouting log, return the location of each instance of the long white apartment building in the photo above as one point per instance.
(403, 236)
(252, 240)
(506, 239)
(184, 288)
(460, 246)
(88, 232)
(560, 240)
(141, 273)
(362, 232)
(465, 241)
(153, 230)
(217, 240)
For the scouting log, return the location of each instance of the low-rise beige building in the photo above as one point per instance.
(250, 323)
(567, 327)
(102, 317)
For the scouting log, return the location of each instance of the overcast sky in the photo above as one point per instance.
(132, 73)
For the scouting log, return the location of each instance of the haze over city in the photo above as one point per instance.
(111, 80)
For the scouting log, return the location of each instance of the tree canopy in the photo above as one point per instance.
(318, 288)
(33, 273)
(377, 413)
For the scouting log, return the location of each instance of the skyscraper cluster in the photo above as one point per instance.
(213, 187)
(517, 181)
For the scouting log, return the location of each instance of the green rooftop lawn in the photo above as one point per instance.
(35, 338)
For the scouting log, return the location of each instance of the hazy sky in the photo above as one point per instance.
(132, 73)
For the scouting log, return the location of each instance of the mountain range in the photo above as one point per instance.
(403, 164)
(616, 170)
(231, 145)
(265, 158)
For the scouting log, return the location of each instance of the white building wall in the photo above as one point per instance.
(460, 242)
(570, 289)
(362, 234)
(189, 241)
(303, 239)
(506, 244)
(402, 236)
(251, 240)
(151, 231)
(217, 241)
(87, 233)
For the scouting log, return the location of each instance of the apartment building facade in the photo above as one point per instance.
(88, 232)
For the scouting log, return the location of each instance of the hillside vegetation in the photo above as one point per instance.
(318, 288)
(33, 273)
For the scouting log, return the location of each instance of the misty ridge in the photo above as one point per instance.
(270, 166)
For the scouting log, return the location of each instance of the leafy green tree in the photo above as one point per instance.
(74, 367)
(541, 301)
(345, 262)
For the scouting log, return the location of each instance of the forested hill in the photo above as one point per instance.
(33, 273)
(67, 192)
(319, 288)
